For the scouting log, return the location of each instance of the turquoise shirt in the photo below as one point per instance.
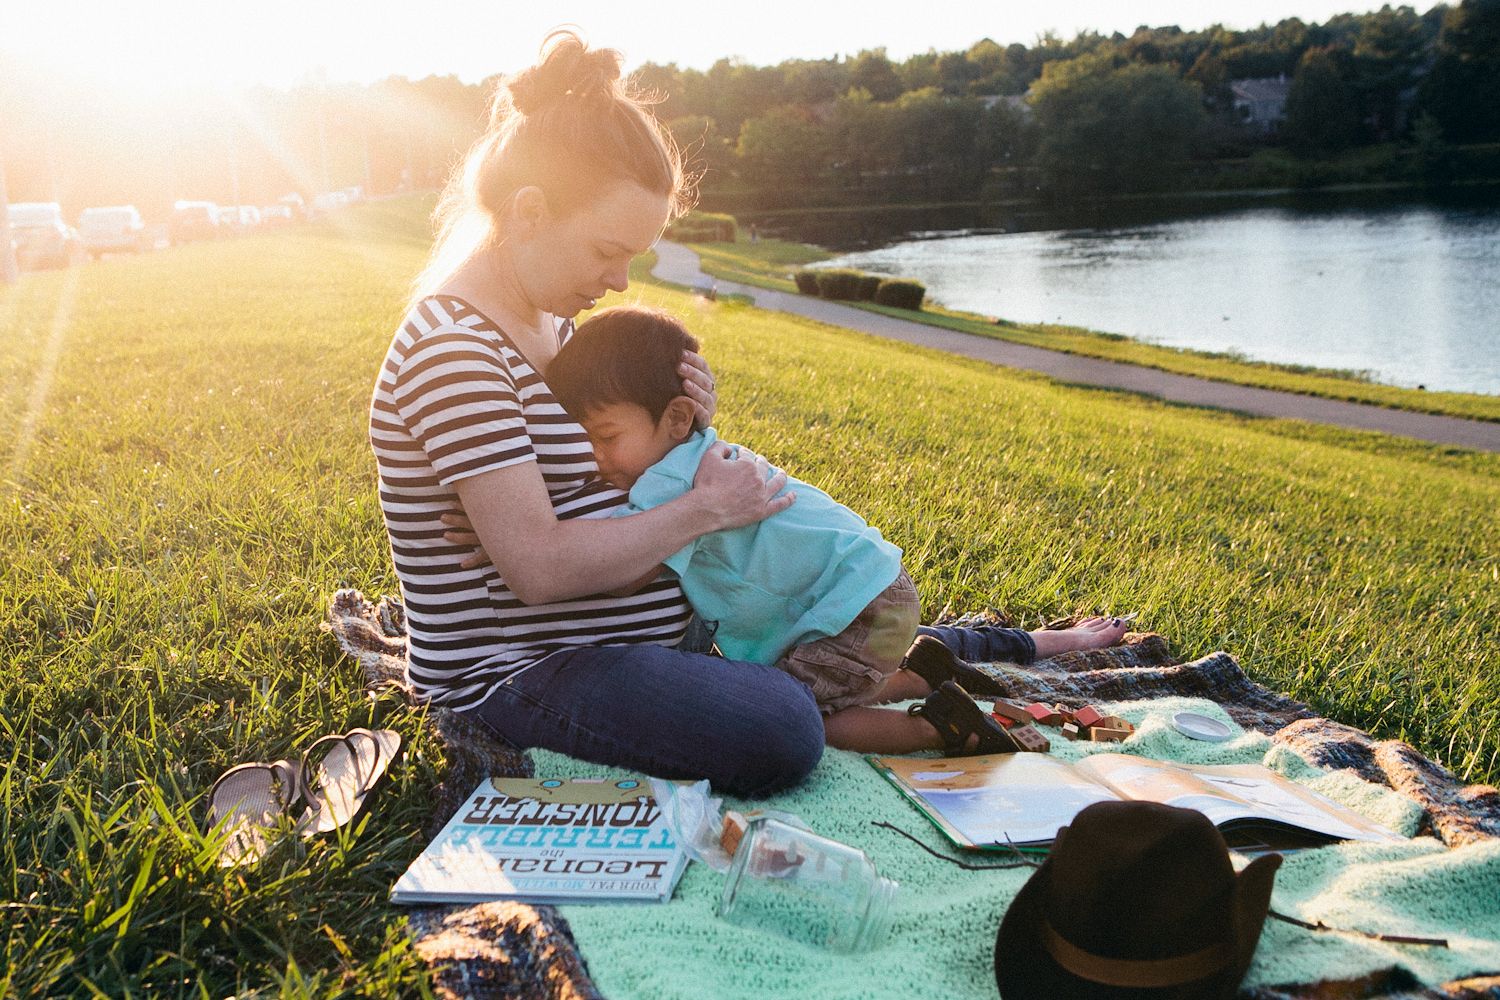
(799, 575)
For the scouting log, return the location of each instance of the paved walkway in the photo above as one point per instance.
(679, 264)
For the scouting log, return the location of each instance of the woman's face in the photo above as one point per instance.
(570, 262)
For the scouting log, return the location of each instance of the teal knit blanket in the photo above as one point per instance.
(946, 917)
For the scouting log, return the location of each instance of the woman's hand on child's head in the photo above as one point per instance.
(461, 532)
(736, 487)
(698, 385)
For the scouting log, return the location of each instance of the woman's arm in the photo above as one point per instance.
(544, 560)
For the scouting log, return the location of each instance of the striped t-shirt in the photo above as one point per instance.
(455, 398)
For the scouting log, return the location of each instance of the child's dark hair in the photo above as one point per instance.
(628, 354)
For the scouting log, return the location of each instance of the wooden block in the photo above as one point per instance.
(1030, 739)
(1115, 722)
(1071, 731)
(1087, 716)
(1044, 715)
(732, 832)
(1103, 734)
(1004, 722)
(1012, 712)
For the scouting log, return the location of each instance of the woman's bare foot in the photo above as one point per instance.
(1091, 633)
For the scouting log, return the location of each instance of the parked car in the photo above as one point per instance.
(276, 215)
(111, 229)
(329, 201)
(238, 218)
(193, 220)
(39, 234)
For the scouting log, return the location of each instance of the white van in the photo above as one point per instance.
(118, 227)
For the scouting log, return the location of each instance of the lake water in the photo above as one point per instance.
(1409, 293)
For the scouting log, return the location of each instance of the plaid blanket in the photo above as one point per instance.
(517, 951)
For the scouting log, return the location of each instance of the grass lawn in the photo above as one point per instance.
(768, 263)
(190, 482)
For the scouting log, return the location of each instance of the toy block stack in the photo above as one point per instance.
(1019, 725)
(1087, 723)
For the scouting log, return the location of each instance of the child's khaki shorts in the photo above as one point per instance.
(848, 668)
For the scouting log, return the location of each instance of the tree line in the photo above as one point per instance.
(1096, 114)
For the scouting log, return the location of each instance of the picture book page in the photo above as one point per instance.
(1018, 798)
(1226, 793)
(1147, 780)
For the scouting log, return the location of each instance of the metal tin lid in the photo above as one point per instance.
(1201, 727)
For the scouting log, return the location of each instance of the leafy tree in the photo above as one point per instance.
(872, 71)
(813, 81)
(957, 73)
(1006, 142)
(1105, 127)
(1432, 161)
(989, 63)
(665, 82)
(1321, 114)
(782, 147)
(919, 72)
(741, 92)
(1387, 53)
(936, 135)
(863, 137)
(705, 151)
(1463, 91)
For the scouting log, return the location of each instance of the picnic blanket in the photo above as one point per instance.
(514, 950)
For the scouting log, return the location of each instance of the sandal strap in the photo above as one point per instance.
(955, 715)
(311, 759)
(279, 772)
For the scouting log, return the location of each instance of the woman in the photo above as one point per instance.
(564, 638)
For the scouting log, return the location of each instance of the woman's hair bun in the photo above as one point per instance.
(567, 68)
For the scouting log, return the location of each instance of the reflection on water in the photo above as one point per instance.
(1410, 293)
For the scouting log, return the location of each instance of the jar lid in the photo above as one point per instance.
(1201, 727)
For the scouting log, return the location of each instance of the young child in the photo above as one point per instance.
(813, 589)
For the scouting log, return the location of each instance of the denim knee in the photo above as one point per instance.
(786, 753)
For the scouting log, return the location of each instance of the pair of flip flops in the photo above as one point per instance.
(322, 791)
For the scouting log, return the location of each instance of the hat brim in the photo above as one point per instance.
(1024, 970)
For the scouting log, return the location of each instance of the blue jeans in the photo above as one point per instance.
(748, 728)
(985, 643)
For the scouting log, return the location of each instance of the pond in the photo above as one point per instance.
(1408, 292)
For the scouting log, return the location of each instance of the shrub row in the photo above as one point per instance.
(856, 286)
(704, 227)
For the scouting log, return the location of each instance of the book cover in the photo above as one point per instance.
(549, 840)
(1022, 800)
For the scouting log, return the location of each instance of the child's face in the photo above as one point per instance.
(627, 442)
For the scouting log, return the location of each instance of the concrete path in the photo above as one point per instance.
(678, 264)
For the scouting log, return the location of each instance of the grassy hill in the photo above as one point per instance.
(189, 482)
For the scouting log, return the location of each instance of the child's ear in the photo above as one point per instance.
(679, 416)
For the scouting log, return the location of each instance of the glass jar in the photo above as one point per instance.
(808, 888)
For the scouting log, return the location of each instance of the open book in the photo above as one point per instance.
(1023, 799)
(549, 840)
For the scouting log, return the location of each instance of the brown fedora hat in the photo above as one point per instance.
(1135, 900)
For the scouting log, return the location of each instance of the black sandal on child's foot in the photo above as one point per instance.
(956, 717)
(934, 662)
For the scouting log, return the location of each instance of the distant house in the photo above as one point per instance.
(1261, 103)
(1016, 103)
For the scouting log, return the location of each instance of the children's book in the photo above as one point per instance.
(1023, 799)
(549, 840)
